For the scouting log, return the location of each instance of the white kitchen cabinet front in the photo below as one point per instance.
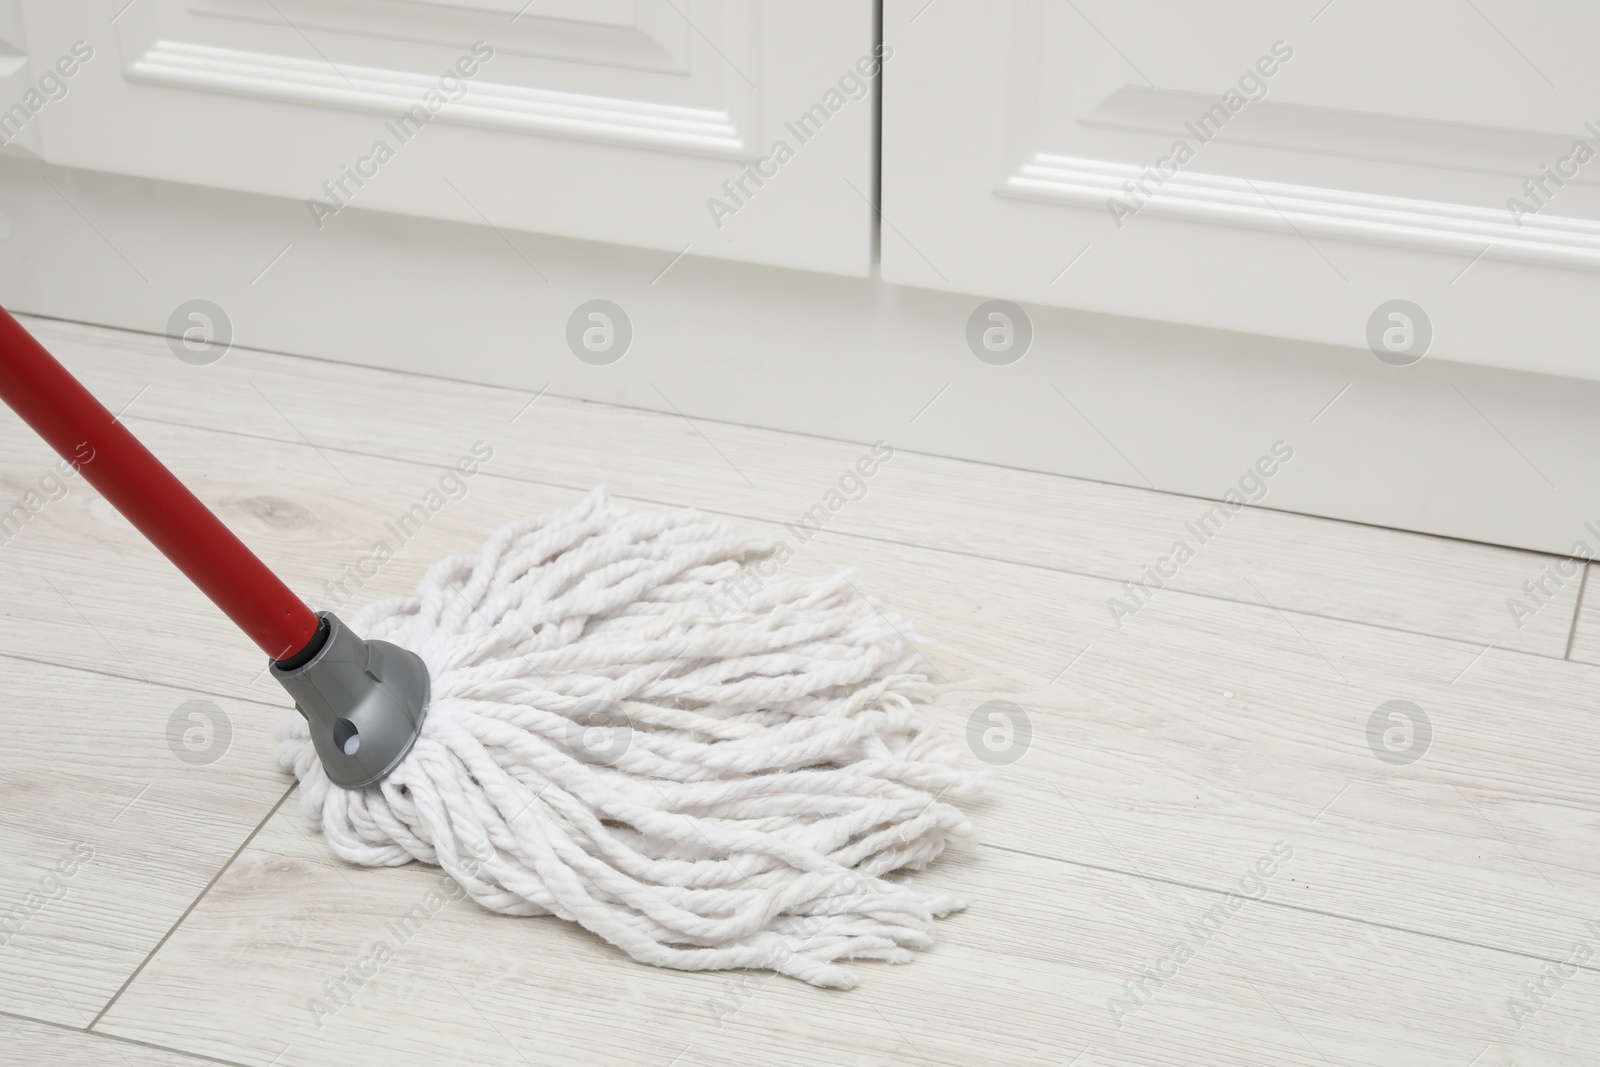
(1290, 169)
(652, 123)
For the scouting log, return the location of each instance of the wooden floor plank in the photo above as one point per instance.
(1384, 577)
(1178, 750)
(1169, 750)
(29, 1041)
(1174, 746)
(1038, 970)
(109, 834)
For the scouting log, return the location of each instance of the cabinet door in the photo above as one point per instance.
(1291, 169)
(609, 120)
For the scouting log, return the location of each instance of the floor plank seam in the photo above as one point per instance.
(187, 911)
(1286, 906)
(75, 665)
(964, 554)
(102, 1035)
(1577, 610)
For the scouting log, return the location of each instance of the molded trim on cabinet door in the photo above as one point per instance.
(634, 36)
(694, 131)
(1340, 133)
(1545, 240)
(585, 11)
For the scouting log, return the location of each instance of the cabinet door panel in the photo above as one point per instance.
(1256, 166)
(610, 120)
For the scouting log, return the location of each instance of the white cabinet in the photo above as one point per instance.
(1284, 169)
(625, 121)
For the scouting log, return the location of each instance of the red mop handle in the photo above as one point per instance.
(140, 486)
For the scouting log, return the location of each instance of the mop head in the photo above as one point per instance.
(612, 742)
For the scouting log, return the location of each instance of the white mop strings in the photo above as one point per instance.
(760, 772)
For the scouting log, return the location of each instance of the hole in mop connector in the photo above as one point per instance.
(364, 701)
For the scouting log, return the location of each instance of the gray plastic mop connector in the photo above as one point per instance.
(364, 702)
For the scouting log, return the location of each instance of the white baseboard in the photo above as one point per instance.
(1489, 455)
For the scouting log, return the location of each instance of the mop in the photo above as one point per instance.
(573, 721)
